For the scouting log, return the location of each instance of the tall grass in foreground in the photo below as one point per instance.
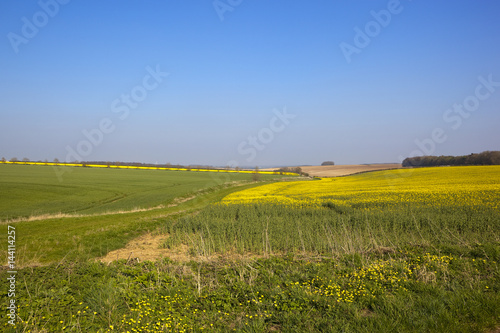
(277, 229)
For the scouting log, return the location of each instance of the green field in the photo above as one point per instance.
(37, 190)
(392, 251)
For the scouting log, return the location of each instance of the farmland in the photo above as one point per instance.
(342, 170)
(404, 250)
(345, 170)
(29, 190)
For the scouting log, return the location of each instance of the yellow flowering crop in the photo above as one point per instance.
(471, 186)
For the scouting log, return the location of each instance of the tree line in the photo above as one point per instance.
(484, 158)
(297, 170)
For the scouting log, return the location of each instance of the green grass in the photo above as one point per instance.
(37, 190)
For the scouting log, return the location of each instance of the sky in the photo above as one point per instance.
(246, 83)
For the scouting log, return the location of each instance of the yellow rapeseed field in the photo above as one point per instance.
(466, 186)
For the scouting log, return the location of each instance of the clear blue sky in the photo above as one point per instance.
(68, 67)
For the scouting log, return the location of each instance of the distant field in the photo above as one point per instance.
(344, 170)
(139, 167)
(28, 190)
